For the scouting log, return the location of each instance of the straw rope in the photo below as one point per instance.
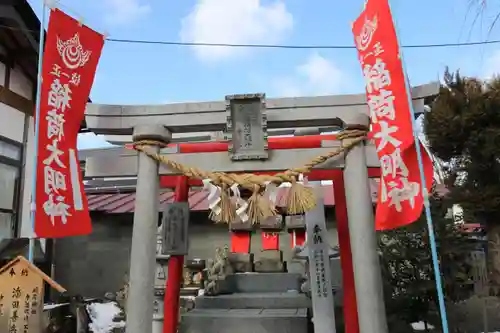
(300, 198)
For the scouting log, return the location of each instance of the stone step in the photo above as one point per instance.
(276, 300)
(245, 321)
(265, 282)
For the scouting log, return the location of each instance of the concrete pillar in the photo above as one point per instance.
(143, 255)
(367, 273)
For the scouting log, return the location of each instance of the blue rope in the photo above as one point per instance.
(425, 194)
(37, 131)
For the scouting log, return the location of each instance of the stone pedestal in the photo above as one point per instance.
(270, 261)
(239, 225)
(272, 223)
(241, 262)
(293, 222)
(260, 303)
(219, 286)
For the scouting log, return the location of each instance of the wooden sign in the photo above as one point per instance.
(175, 229)
(21, 296)
(247, 125)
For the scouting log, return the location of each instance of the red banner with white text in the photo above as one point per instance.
(72, 53)
(400, 201)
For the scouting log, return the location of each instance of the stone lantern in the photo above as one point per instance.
(160, 283)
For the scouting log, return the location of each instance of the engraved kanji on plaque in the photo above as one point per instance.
(21, 296)
(175, 225)
(247, 126)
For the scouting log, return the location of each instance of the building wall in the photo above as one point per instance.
(26, 229)
(14, 202)
(103, 255)
(2, 66)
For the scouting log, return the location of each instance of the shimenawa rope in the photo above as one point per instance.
(300, 198)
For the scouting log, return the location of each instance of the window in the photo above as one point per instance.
(8, 183)
(10, 174)
(6, 222)
(10, 150)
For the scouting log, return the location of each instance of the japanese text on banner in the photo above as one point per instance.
(54, 169)
(72, 51)
(400, 201)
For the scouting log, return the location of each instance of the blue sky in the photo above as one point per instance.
(156, 74)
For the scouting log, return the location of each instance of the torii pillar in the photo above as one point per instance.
(140, 299)
(365, 258)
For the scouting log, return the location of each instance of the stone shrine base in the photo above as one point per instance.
(260, 303)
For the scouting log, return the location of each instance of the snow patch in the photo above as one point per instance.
(420, 326)
(102, 317)
(48, 307)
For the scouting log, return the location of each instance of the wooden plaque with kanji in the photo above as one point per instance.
(21, 296)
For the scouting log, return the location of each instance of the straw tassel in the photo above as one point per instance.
(300, 198)
(259, 207)
(227, 207)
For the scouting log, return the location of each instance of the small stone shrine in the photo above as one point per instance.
(249, 303)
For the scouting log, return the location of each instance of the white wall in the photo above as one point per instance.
(11, 123)
(20, 84)
(12, 120)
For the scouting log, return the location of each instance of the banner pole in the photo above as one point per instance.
(37, 132)
(425, 195)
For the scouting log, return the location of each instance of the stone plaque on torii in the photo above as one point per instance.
(175, 229)
(247, 127)
(158, 123)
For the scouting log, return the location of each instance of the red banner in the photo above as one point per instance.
(400, 201)
(72, 52)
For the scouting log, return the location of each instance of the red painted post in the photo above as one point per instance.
(351, 322)
(175, 267)
(240, 241)
(297, 237)
(270, 240)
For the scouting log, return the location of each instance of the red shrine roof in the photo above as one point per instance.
(124, 202)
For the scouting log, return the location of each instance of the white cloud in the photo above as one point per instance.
(125, 11)
(316, 76)
(234, 22)
(90, 141)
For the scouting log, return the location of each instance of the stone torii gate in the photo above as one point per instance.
(258, 118)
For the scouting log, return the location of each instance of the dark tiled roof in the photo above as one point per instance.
(125, 202)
